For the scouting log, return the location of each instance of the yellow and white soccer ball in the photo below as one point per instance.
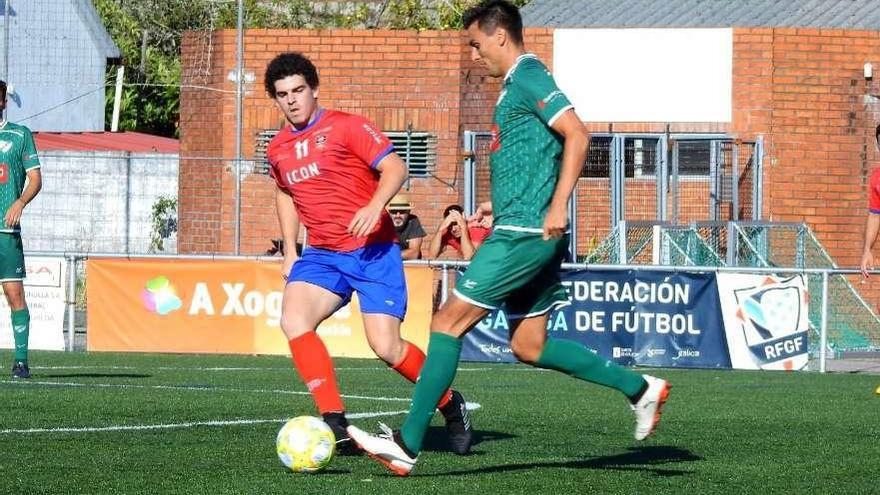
(305, 444)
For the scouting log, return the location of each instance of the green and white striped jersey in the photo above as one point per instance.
(525, 152)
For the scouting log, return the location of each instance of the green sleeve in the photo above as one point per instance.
(29, 157)
(542, 95)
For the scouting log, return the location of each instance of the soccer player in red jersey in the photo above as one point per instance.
(334, 173)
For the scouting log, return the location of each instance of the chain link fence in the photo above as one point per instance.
(853, 325)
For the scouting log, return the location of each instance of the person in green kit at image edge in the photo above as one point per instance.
(20, 181)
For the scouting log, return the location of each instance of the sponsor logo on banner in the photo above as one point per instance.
(767, 320)
(655, 352)
(160, 297)
(45, 291)
(219, 307)
(621, 352)
(688, 353)
(43, 272)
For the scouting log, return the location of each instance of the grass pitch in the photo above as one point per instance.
(146, 423)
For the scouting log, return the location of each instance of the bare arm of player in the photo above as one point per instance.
(34, 184)
(288, 220)
(872, 226)
(392, 174)
(574, 154)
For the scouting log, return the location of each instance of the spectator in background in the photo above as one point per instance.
(409, 229)
(455, 232)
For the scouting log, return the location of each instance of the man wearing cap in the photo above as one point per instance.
(409, 229)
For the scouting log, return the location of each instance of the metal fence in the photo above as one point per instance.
(677, 178)
(101, 202)
(854, 326)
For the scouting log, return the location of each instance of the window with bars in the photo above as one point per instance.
(694, 158)
(418, 150)
(598, 158)
(640, 157)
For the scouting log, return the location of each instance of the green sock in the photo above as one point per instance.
(21, 323)
(436, 376)
(576, 360)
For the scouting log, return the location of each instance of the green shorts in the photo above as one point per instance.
(519, 269)
(11, 257)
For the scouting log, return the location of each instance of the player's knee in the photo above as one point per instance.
(15, 297)
(453, 321)
(388, 349)
(526, 350)
(294, 326)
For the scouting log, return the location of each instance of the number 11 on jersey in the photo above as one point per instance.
(302, 149)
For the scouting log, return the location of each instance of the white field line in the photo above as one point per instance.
(32, 382)
(170, 426)
(246, 368)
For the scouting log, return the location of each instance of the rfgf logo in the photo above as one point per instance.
(773, 319)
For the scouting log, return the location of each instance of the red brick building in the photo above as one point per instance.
(802, 89)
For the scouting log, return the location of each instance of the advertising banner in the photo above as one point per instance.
(766, 319)
(44, 292)
(216, 306)
(631, 317)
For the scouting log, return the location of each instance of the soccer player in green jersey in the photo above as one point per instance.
(20, 181)
(538, 151)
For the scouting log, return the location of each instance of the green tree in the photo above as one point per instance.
(148, 33)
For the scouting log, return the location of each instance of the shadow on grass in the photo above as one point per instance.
(92, 375)
(435, 439)
(645, 459)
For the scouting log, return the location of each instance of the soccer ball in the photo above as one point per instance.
(305, 444)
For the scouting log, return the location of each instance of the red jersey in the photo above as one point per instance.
(329, 169)
(478, 234)
(874, 191)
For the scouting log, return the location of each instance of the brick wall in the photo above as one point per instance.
(822, 124)
(395, 78)
(801, 89)
(202, 135)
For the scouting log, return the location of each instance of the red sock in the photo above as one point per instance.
(410, 366)
(311, 359)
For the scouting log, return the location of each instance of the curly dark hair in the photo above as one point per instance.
(492, 14)
(290, 64)
(449, 209)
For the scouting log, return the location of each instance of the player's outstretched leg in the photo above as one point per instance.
(387, 448)
(398, 451)
(650, 406)
(452, 404)
(646, 394)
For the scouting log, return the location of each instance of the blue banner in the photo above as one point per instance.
(669, 319)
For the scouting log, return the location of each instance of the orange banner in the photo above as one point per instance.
(210, 306)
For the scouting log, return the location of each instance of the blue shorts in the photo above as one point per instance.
(374, 271)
